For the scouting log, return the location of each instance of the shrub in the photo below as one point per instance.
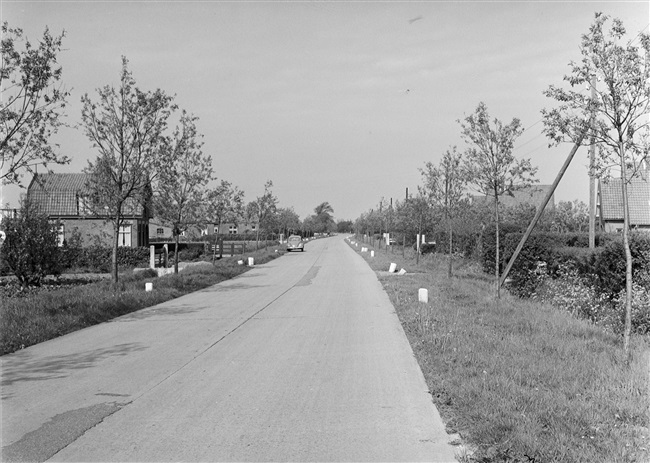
(71, 251)
(98, 258)
(132, 257)
(426, 248)
(188, 253)
(537, 253)
(571, 291)
(488, 245)
(463, 243)
(640, 308)
(609, 264)
(31, 246)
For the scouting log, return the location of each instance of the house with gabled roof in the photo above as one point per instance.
(65, 198)
(610, 203)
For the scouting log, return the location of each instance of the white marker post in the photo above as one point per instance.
(392, 268)
(423, 295)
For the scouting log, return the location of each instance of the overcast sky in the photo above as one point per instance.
(333, 101)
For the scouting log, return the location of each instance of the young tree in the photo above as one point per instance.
(288, 220)
(184, 173)
(126, 125)
(617, 115)
(32, 102)
(263, 210)
(31, 246)
(444, 186)
(224, 203)
(490, 166)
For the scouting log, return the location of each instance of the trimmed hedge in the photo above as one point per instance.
(99, 258)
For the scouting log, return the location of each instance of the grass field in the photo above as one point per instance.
(517, 380)
(43, 315)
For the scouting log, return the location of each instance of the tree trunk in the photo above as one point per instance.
(628, 258)
(451, 235)
(116, 242)
(176, 240)
(497, 257)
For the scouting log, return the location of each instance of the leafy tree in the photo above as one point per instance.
(323, 220)
(520, 215)
(344, 226)
(31, 247)
(224, 203)
(412, 217)
(263, 210)
(32, 103)
(308, 226)
(288, 221)
(570, 216)
(616, 117)
(444, 186)
(491, 168)
(127, 126)
(184, 173)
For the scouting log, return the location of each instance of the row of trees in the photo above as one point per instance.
(139, 161)
(614, 118)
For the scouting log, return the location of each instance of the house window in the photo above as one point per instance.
(160, 231)
(125, 236)
(232, 229)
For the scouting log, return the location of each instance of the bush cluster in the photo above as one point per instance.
(30, 248)
(588, 283)
(462, 243)
(99, 258)
(488, 245)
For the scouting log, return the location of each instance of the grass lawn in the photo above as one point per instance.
(517, 380)
(43, 315)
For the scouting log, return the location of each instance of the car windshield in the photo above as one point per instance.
(294, 239)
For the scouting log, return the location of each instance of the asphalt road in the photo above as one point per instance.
(300, 359)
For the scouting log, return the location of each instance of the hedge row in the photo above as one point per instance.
(544, 254)
(99, 258)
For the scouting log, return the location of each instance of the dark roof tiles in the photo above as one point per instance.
(58, 195)
(611, 200)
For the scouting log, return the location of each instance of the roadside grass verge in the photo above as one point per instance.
(518, 380)
(25, 321)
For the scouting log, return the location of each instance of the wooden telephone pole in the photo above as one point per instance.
(592, 177)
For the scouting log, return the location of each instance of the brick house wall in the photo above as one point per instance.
(63, 197)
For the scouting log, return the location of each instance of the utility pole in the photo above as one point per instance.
(592, 175)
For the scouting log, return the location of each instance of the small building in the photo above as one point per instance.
(65, 198)
(610, 203)
(160, 230)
